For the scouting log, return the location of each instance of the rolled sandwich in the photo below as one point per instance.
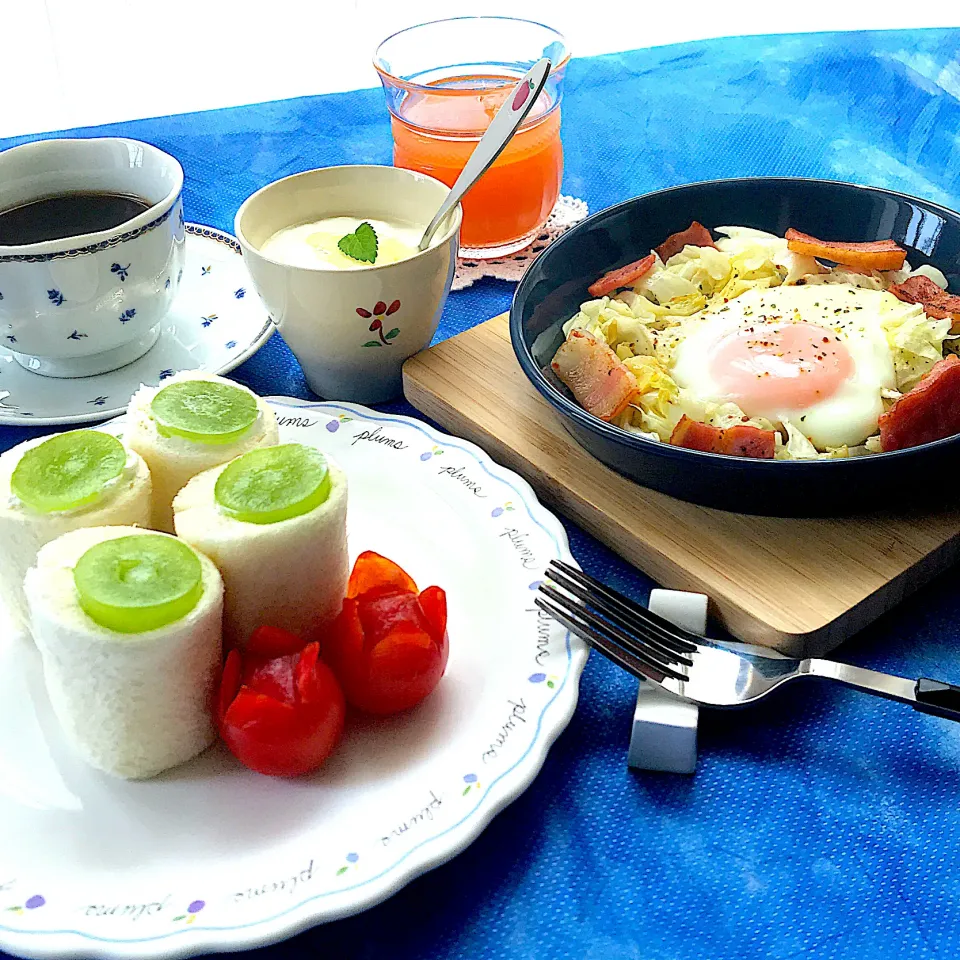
(193, 422)
(128, 623)
(274, 521)
(49, 486)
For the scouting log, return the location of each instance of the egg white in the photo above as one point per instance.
(855, 315)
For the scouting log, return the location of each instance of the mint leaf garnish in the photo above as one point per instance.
(361, 244)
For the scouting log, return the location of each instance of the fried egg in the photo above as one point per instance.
(814, 355)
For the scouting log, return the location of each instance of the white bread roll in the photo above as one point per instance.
(23, 530)
(131, 704)
(290, 574)
(174, 460)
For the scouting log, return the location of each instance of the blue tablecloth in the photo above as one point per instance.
(822, 822)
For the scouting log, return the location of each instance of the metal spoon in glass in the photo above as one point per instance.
(500, 132)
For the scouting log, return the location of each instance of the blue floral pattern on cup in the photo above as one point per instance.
(128, 315)
(55, 297)
(120, 271)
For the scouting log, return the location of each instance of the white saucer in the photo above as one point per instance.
(216, 322)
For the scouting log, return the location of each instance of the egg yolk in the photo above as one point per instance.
(771, 367)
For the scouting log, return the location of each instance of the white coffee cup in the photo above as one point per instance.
(351, 329)
(86, 304)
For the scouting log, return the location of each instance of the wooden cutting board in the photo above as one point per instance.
(798, 585)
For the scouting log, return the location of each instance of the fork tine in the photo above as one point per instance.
(622, 658)
(635, 646)
(672, 636)
(614, 611)
(634, 643)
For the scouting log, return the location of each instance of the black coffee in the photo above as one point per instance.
(67, 215)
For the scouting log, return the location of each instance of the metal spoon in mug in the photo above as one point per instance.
(500, 132)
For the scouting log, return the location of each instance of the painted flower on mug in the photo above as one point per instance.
(376, 317)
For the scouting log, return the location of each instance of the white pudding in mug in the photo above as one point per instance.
(351, 327)
(318, 243)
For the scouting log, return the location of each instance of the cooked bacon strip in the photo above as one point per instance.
(930, 411)
(936, 302)
(878, 255)
(598, 378)
(747, 441)
(696, 235)
(622, 276)
(739, 441)
(695, 435)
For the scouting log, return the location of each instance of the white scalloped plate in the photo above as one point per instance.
(216, 322)
(212, 857)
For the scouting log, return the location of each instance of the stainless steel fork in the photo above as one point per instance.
(703, 671)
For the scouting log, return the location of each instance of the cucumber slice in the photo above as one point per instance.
(273, 484)
(68, 471)
(138, 583)
(204, 411)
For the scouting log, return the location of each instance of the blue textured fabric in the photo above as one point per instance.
(822, 822)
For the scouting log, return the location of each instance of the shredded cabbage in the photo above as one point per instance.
(799, 447)
(930, 271)
(915, 339)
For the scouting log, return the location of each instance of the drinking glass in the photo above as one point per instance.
(444, 81)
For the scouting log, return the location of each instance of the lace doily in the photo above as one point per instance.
(568, 212)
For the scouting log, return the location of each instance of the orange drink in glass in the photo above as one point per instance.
(438, 115)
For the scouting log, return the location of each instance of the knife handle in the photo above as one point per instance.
(939, 699)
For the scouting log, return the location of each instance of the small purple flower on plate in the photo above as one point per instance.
(56, 297)
(128, 315)
(334, 425)
(76, 335)
(231, 344)
(34, 902)
(537, 677)
(98, 401)
(166, 373)
(240, 293)
(190, 914)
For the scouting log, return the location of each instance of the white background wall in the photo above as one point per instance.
(73, 62)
